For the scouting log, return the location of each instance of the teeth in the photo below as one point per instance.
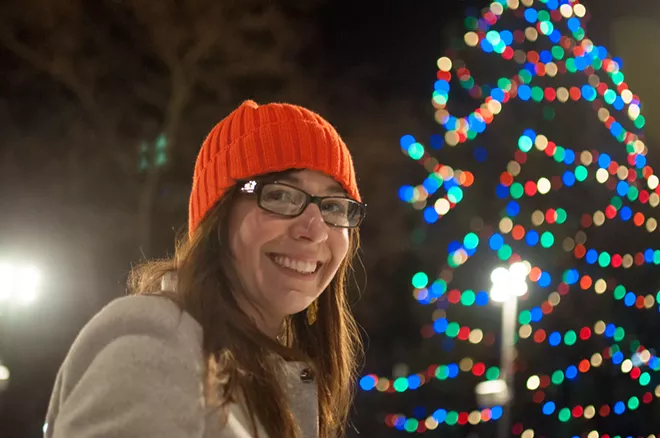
(296, 265)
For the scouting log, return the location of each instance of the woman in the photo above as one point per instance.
(246, 332)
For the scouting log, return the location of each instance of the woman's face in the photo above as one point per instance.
(275, 254)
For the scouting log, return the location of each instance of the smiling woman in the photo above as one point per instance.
(290, 250)
(246, 332)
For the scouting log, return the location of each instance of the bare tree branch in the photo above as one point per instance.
(62, 70)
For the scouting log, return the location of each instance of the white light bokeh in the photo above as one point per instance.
(4, 373)
(509, 283)
(19, 283)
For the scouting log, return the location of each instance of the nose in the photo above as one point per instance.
(310, 225)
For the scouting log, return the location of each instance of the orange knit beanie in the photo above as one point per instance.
(254, 140)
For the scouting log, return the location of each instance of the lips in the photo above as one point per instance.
(305, 267)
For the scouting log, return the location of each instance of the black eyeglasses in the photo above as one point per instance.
(287, 200)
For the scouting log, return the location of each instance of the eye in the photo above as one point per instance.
(337, 206)
(278, 195)
(283, 195)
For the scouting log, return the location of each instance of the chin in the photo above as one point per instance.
(292, 310)
(296, 307)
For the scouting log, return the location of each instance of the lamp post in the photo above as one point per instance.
(19, 285)
(508, 285)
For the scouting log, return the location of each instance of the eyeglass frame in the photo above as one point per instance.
(254, 187)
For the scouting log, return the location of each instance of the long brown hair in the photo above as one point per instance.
(239, 356)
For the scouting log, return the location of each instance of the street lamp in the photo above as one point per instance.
(4, 377)
(18, 283)
(508, 285)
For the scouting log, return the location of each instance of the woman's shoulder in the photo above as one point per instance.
(149, 313)
(155, 319)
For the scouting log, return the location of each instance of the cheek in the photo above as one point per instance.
(254, 231)
(241, 233)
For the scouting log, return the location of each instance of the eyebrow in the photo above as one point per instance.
(331, 188)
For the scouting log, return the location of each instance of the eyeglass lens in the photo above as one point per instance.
(290, 201)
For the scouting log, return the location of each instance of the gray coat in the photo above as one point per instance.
(135, 371)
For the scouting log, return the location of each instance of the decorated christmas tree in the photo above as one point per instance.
(549, 170)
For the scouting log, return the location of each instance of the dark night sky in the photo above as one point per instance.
(400, 40)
